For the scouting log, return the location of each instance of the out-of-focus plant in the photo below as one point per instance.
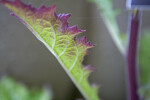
(56, 34)
(144, 63)
(54, 31)
(11, 90)
(109, 15)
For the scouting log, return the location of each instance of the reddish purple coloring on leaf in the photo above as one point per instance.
(60, 38)
(90, 68)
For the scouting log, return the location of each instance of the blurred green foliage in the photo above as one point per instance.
(144, 63)
(109, 14)
(11, 90)
(106, 8)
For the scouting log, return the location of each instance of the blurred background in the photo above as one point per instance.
(27, 60)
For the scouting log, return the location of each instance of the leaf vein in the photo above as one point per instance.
(65, 48)
(75, 59)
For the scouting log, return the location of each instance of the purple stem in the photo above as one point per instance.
(131, 57)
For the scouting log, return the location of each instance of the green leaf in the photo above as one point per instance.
(53, 30)
(144, 62)
(11, 90)
(109, 14)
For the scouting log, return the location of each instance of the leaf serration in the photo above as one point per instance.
(54, 31)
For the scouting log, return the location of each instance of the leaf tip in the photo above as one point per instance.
(96, 86)
(64, 17)
(43, 8)
(73, 30)
(11, 13)
(90, 68)
(79, 99)
(83, 40)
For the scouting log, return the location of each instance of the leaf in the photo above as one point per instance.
(11, 90)
(109, 16)
(144, 62)
(53, 30)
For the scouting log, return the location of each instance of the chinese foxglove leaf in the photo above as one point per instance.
(60, 38)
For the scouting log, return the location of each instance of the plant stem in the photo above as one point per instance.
(132, 55)
(114, 32)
